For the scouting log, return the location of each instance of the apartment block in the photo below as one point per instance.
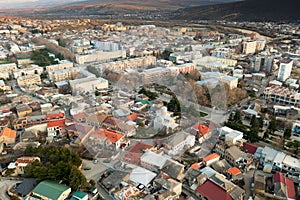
(64, 64)
(63, 74)
(33, 69)
(29, 80)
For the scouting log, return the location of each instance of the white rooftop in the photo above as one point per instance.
(141, 175)
(154, 159)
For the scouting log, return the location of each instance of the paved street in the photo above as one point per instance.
(249, 178)
(4, 185)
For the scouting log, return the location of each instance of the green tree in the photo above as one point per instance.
(272, 124)
(77, 180)
(287, 133)
(237, 116)
(174, 105)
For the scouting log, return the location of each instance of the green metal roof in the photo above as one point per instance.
(78, 195)
(50, 189)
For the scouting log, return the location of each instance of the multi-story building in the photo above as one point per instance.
(34, 69)
(63, 74)
(29, 80)
(282, 95)
(100, 56)
(262, 63)
(184, 68)
(249, 47)
(129, 64)
(89, 84)
(105, 45)
(63, 64)
(8, 67)
(155, 75)
(285, 70)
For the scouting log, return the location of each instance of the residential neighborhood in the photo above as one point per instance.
(120, 111)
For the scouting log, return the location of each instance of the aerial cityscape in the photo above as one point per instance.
(149, 100)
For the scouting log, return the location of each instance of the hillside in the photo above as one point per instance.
(248, 10)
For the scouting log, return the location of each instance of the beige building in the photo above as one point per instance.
(29, 80)
(100, 56)
(130, 63)
(89, 84)
(64, 64)
(249, 47)
(155, 75)
(8, 67)
(8, 136)
(33, 69)
(63, 74)
(23, 110)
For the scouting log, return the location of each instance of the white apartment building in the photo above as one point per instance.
(284, 71)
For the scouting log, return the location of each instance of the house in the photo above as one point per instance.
(235, 173)
(21, 163)
(50, 190)
(118, 125)
(250, 148)
(180, 142)
(80, 131)
(173, 169)
(163, 119)
(211, 158)
(284, 186)
(23, 110)
(135, 153)
(202, 132)
(231, 135)
(153, 161)
(233, 155)
(142, 176)
(8, 136)
(109, 137)
(112, 181)
(212, 191)
(218, 187)
(168, 184)
(78, 195)
(55, 128)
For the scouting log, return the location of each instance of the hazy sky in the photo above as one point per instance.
(32, 3)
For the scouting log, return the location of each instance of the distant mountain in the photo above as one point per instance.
(144, 4)
(248, 10)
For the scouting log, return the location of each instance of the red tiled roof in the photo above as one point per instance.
(79, 116)
(203, 129)
(211, 157)
(112, 136)
(251, 148)
(212, 191)
(278, 177)
(99, 134)
(136, 152)
(132, 117)
(195, 166)
(234, 171)
(25, 160)
(55, 116)
(7, 132)
(290, 188)
(57, 123)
